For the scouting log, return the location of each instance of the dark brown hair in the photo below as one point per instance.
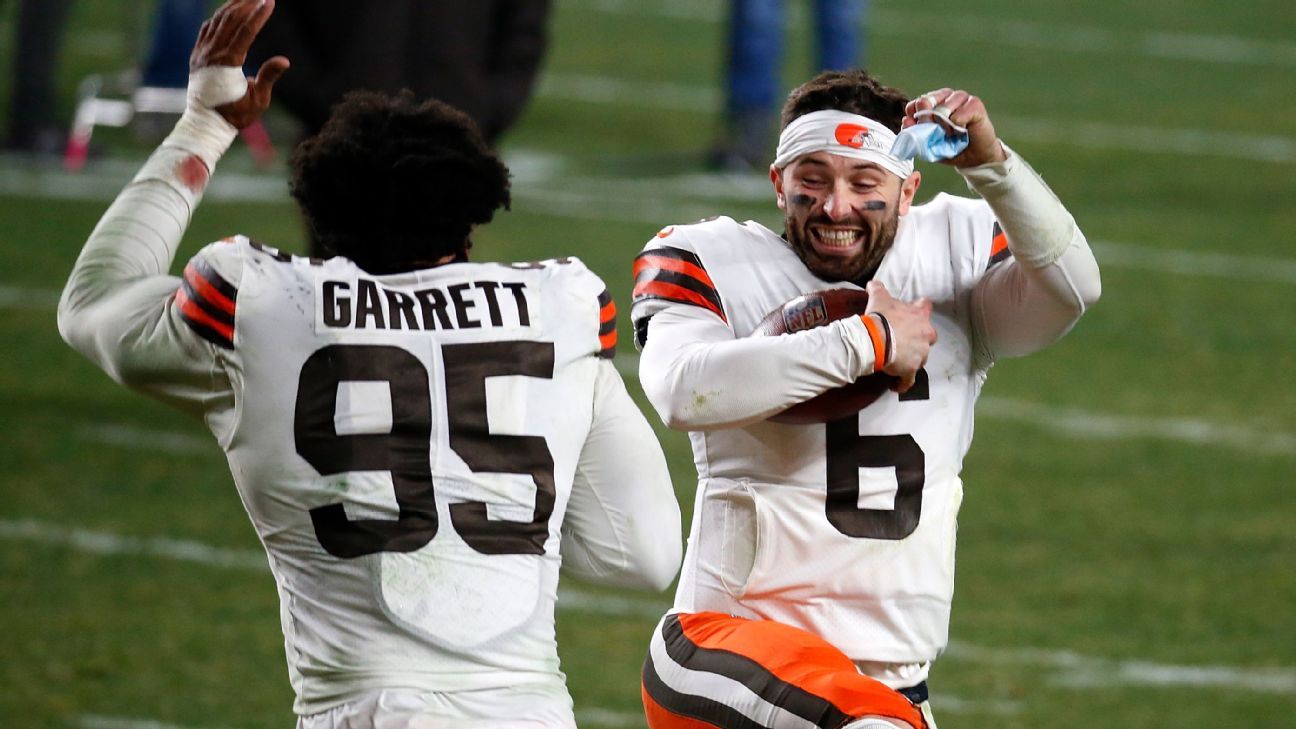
(855, 91)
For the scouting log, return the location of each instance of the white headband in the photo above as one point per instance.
(848, 135)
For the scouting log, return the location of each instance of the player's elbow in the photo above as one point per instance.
(1089, 290)
(76, 324)
(651, 548)
(639, 564)
(1081, 271)
(658, 564)
(680, 406)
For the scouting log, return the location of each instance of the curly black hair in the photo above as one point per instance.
(395, 183)
(855, 91)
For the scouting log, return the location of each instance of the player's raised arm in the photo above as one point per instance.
(118, 307)
(1052, 277)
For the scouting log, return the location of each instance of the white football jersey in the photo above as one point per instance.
(405, 447)
(846, 529)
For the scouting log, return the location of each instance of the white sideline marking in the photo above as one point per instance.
(1108, 426)
(1073, 669)
(1010, 32)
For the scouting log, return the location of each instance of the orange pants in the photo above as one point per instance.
(709, 670)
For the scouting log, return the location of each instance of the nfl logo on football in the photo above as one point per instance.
(807, 313)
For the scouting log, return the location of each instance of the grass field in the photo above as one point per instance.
(1128, 541)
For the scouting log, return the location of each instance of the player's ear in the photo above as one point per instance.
(776, 177)
(909, 188)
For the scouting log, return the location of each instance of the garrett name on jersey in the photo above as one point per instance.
(363, 303)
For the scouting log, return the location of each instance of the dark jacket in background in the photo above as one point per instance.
(481, 56)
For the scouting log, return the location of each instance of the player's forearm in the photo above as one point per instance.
(1042, 234)
(137, 238)
(698, 377)
(1029, 302)
(623, 522)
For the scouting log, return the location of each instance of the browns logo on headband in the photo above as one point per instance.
(839, 132)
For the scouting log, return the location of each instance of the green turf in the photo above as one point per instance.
(1123, 551)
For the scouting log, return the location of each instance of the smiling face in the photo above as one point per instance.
(841, 214)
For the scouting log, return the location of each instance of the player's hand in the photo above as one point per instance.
(912, 333)
(965, 110)
(224, 40)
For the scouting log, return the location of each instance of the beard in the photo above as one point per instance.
(879, 232)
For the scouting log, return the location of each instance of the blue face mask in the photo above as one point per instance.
(929, 141)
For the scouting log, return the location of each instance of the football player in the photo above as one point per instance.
(416, 437)
(817, 583)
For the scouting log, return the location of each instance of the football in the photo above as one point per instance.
(815, 310)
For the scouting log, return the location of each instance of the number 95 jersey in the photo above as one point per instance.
(406, 446)
(846, 529)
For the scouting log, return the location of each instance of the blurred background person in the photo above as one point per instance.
(753, 71)
(481, 56)
(32, 127)
(175, 27)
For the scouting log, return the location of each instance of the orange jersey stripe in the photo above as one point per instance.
(998, 244)
(209, 293)
(193, 311)
(801, 659)
(608, 312)
(676, 293)
(671, 264)
(609, 340)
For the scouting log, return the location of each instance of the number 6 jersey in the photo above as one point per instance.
(846, 529)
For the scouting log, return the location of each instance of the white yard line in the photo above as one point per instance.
(98, 721)
(1008, 32)
(1071, 422)
(1075, 422)
(109, 544)
(1066, 668)
(147, 439)
(1196, 263)
(184, 550)
(1080, 671)
(610, 717)
(1093, 425)
(597, 89)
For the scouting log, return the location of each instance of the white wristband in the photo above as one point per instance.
(215, 86)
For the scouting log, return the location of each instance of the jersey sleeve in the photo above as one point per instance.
(207, 299)
(668, 272)
(160, 334)
(623, 522)
(999, 250)
(589, 301)
(1040, 275)
(119, 306)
